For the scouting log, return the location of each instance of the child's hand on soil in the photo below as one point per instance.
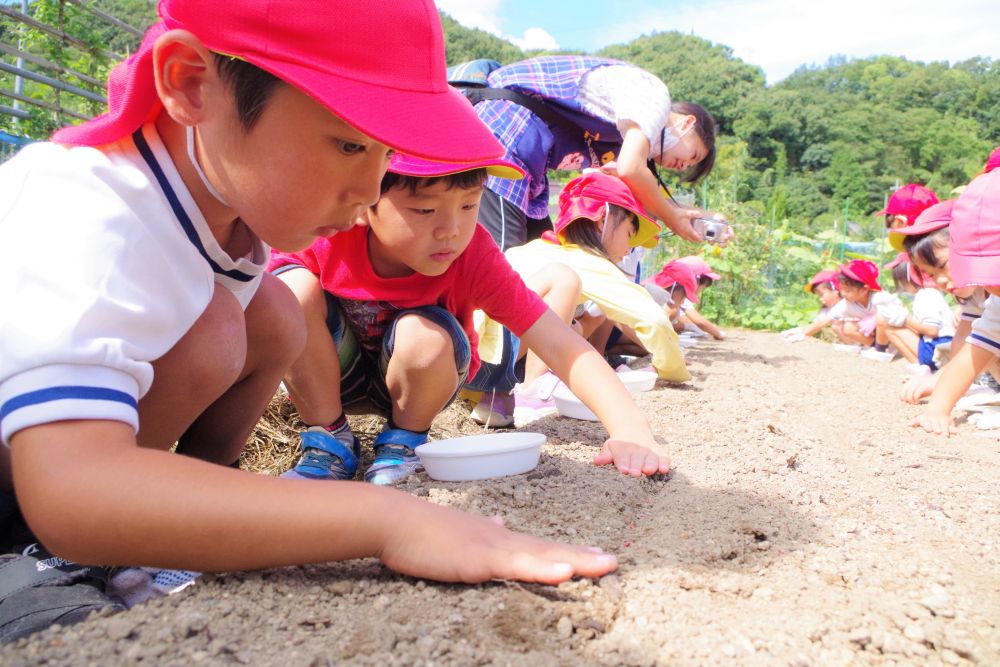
(434, 542)
(632, 458)
(918, 388)
(934, 423)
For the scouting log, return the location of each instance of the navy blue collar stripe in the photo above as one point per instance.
(182, 216)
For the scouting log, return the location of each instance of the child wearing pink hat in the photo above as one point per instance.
(690, 319)
(906, 204)
(599, 220)
(389, 306)
(676, 274)
(927, 243)
(973, 260)
(826, 288)
(854, 318)
(146, 317)
(930, 323)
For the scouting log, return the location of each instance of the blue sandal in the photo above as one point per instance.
(395, 458)
(325, 456)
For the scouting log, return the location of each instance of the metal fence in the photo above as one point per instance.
(36, 90)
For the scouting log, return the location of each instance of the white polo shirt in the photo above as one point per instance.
(107, 264)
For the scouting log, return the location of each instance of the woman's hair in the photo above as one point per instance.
(463, 180)
(901, 277)
(704, 127)
(704, 281)
(827, 285)
(252, 87)
(849, 281)
(584, 233)
(925, 246)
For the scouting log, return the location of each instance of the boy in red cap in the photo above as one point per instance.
(906, 204)
(391, 303)
(148, 320)
(854, 318)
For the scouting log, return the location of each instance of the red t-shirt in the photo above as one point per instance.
(480, 278)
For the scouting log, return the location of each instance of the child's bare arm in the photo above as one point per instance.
(922, 329)
(703, 323)
(93, 496)
(956, 377)
(631, 445)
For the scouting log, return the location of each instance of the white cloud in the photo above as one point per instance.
(482, 14)
(780, 35)
(535, 38)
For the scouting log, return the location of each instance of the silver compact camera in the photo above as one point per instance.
(710, 229)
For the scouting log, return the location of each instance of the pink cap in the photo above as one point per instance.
(409, 165)
(700, 267)
(993, 161)
(863, 271)
(586, 196)
(377, 65)
(912, 272)
(910, 200)
(827, 276)
(931, 220)
(974, 253)
(678, 272)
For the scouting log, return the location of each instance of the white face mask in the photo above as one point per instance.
(197, 167)
(671, 136)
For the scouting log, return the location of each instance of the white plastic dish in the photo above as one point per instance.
(569, 405)
(637, 381)
(843, 347)
(481, 456)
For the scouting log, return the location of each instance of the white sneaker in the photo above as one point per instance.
(875, 355)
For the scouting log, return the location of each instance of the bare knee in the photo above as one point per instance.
(276, 329)
(422, 343)
(213, 352)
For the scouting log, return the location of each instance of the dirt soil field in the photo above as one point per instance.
(804, 524)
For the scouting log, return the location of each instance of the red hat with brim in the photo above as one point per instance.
(700, 267)
(409, 165)
(910, 200)
(864, 272)
(677, 273)
(974, 250)
(931, 220)
(993, 161)
(912, 272)
(588, 195)
(378, 66)
(827, 276)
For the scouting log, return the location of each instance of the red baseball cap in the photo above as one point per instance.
(910, 201)
(993, 161)
(678, 272)
(974, 252)
(827, 276)
(380, 66)
(700, 267)
(931, 220)
(586, 196)
(409, 165)
(863, 271)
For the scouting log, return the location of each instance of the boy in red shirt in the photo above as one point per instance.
(389, 308)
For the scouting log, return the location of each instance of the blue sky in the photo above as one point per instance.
(778, 35)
